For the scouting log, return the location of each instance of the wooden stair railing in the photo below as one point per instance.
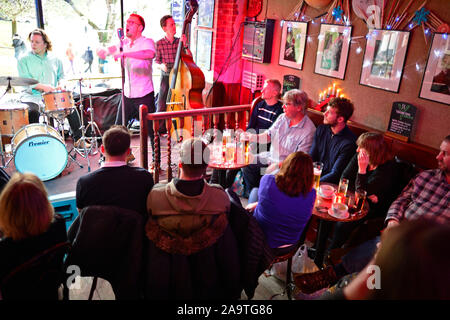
(237, 116)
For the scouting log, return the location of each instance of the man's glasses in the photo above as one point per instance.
(130, 23)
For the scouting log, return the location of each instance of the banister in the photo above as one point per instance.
(203, 112)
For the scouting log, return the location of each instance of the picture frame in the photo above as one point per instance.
(332, 50)
(384, 59)
(436, 78)
(203, 49)
(206, 13)
(292, 46)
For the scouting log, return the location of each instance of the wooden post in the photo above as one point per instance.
(169, 151)
(143, 111)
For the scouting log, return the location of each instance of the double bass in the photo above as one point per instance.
(186, 80)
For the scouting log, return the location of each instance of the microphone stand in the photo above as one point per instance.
(122, 62)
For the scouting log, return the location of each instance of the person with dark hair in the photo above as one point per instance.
(192, 249)
(413, 264)
(115, 183)
(292, 131)
(166, 51)
(88, 57)
(138, 53)
(28, 224)
(334, 143)
(372, 169)
(285, 202)
(426, 196)
(47, 69)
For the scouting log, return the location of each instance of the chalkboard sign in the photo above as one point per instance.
(402, 120)
(290, 82)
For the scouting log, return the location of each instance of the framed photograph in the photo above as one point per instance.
(292, 47)
(205, 13)
(332, 50)
(384, 59)
(203, 49)
(436, 79)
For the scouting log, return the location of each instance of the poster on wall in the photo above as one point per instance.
(292, 46)
(290, 82)
(332, 50)
(204, 43)
(384, 59)
(436, 79)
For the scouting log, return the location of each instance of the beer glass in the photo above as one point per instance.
(343, 186)
(317, 172)
(360, 199)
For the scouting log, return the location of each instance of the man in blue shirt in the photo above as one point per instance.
(334, 144)
(266, 111)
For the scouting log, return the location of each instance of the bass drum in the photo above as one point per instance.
(40, 149)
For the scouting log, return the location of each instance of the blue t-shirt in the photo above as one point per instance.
(281, 217)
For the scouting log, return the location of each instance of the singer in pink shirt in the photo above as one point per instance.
(138, 53)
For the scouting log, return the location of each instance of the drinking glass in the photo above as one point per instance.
(317, 172)
(343, 186)
(360, 199)
(230, 152)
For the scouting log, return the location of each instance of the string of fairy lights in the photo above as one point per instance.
(417, 19)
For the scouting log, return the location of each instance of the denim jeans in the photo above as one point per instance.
(356, 259)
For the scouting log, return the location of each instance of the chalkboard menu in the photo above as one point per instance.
(290, 82)
(402, 120)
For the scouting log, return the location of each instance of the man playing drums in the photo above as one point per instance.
(42, 66)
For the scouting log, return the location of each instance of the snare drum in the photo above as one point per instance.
(40, 149)
(58, 102)
(13, 116)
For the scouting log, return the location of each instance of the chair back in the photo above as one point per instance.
(39, 278)
(107, 242)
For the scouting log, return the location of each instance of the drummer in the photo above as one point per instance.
(46, 68)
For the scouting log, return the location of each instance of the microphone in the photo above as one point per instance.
(120, 33)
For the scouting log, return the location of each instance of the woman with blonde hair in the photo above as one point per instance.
(285, 202)
(28, 224)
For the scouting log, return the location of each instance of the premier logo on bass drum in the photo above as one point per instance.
(35, 144)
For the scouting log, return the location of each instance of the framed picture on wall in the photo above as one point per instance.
(332, 50)
(292, 46)
(205, 13)
(203, 49)
(436, 79)
(384, 59)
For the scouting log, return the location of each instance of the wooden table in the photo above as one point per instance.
(325, 222)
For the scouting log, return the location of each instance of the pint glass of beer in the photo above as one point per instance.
(317, 172)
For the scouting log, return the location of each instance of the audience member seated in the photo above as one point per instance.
(115, 183)
(374, 170)
(192, 251)
(4, 178)
(285, 202)
(265, 111)
(427, 195)
(334, 143)
(29, 226)
(292, 131)
(413, 264)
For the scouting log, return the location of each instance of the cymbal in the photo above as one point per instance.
(16, 81)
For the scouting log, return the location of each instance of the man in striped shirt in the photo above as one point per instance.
(266, 111)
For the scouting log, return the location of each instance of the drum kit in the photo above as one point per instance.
(38, 147)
